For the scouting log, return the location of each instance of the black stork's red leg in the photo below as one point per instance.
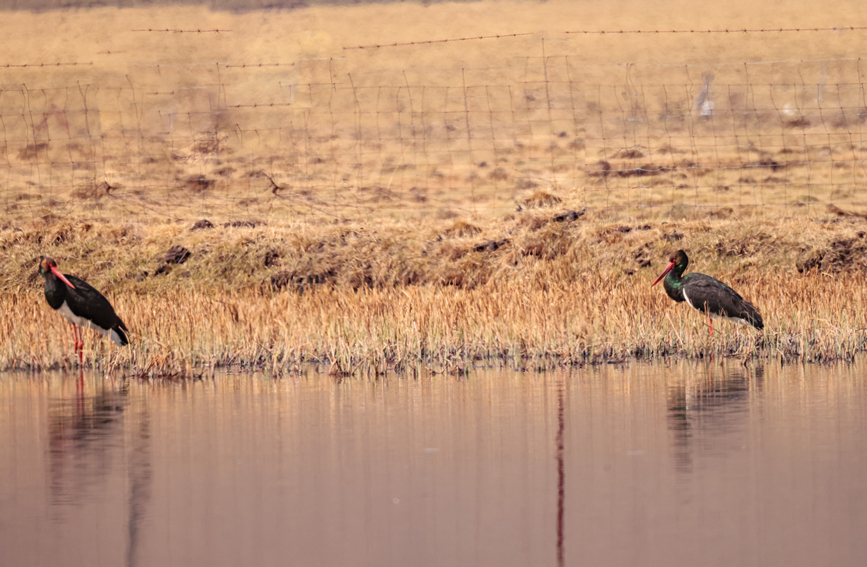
(81, 305)
(79, 343)
(707, 294)
(74, 337)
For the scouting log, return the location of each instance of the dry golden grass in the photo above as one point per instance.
(172, 126)
(526, 290)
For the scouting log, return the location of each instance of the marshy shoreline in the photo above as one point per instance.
(540, 288)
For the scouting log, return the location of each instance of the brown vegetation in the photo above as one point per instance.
(399, 295)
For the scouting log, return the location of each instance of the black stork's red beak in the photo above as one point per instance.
(57, 273)
(663, 274)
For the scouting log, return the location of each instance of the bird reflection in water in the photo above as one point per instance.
(88, 438)
(711, 403)
(84, 432)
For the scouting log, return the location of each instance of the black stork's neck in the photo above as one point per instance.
(673, 282)
(55, 290)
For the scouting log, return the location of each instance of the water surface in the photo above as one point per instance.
(639, 464)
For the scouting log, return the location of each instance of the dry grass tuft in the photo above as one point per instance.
(540, 199)
(461, 229)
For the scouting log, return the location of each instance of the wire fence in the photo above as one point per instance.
(352, 136)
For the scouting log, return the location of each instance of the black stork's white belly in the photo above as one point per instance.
(83, 322)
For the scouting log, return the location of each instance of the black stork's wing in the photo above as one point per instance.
(708, 294)
(87, 302)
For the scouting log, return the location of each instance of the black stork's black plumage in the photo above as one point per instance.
(82, 305)
(707, 294)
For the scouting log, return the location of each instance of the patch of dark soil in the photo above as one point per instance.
(198, 184)
(300, 279)
(673, 236)
(646, 169)
(202, 224)
(773, 164)
(801, 122)
(281, 280)
(490, 245)
(721, 213)
(32, 151)
(455, 276)
(225, 171)
(569, 216)
(611, 233)
(272, 257)
(417, 195)
(176, 255)
(841, 255)
(361, 278)
(242, 224)
(498, 174)
(835, 210)
(525, 184)
(602, 169)
(533, 247)
(577, 144)
(642, 256)
(632, 154)
(209, 144)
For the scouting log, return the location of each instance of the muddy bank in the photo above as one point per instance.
(547, 245)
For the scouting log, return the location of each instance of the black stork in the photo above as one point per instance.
(706, 294)
(82, 306)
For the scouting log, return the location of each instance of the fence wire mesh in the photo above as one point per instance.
(356, 135)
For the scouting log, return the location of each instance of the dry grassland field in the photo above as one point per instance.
(440, 205)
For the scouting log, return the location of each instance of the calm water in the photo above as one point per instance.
(643, 464)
